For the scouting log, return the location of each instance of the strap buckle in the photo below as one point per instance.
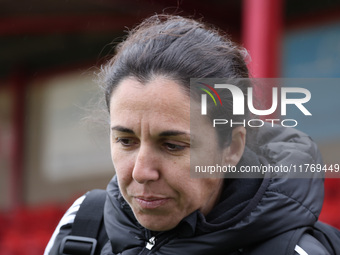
(74, 245)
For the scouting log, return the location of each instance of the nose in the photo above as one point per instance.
(146, 166)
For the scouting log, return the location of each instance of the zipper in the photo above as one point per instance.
(154, 242)
(151, 243)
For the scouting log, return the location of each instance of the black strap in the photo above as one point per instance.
(86, 226)
(329, 236)
(90, 214)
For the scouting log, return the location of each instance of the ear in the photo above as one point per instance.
(234, 151)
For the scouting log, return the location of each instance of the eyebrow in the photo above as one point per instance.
(164, 133)
(173, 133)
(122, 129)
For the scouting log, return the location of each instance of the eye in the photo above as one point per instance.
(126, 142)
(174, 147)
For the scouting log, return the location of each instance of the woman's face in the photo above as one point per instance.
(150, 149)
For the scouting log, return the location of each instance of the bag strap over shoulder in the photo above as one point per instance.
(87, 226)
(318, 239)
(282, 244)
(328, 236)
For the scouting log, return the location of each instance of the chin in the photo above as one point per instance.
(155, 224)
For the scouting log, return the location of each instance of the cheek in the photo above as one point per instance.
(190, 190)
(203, 193)
(123, 168)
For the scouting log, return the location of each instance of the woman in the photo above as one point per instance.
(153, 205)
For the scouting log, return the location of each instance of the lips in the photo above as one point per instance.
(151, 202)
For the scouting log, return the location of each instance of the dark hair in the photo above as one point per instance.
(179, 49)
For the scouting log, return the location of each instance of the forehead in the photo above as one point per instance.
(159, 98)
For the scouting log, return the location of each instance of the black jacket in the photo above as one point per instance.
(254, 216)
